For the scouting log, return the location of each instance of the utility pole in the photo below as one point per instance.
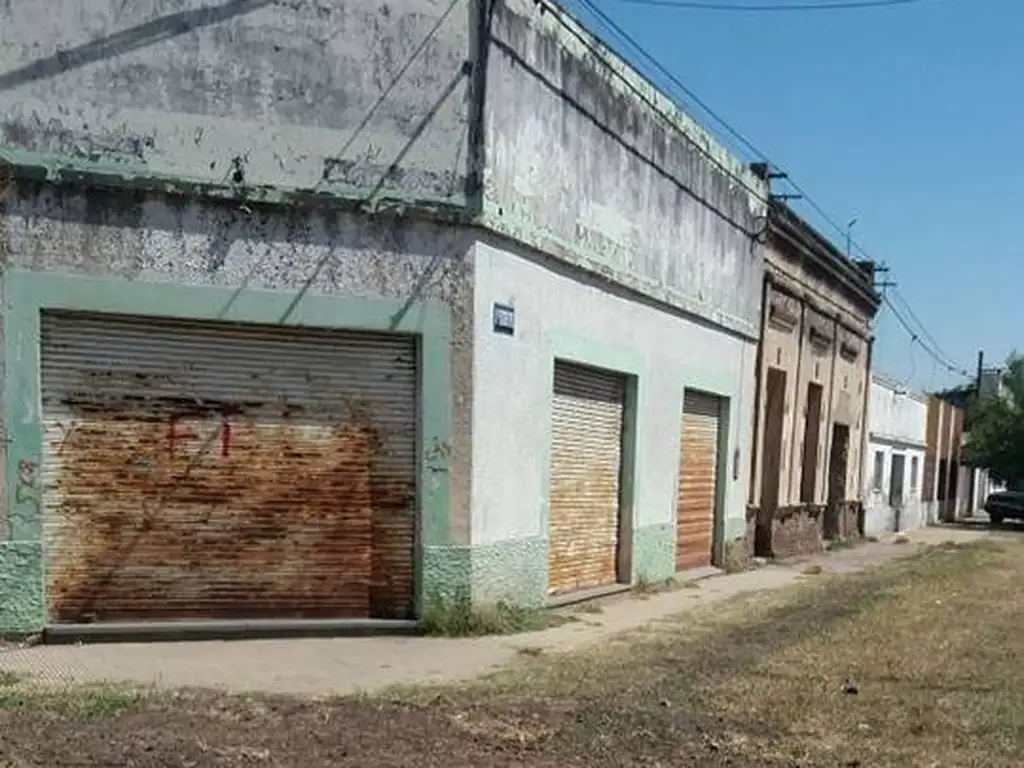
(981, 365)
(849, 240)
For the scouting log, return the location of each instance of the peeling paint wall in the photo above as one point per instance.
(250, 92)
(582, 161)
(580, 164)
(154, 239)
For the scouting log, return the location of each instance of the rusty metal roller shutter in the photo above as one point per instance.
(697, 495)
(586, 460)
(212, 471)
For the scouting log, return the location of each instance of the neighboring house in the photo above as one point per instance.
(316, 312)
(814, 359)
(894, 465)
(944, 483)
(954, 490)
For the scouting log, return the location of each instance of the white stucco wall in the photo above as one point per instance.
(879, 516)
(898, 424)
(566, 316)
(896, 413)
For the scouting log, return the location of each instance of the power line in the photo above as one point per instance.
(921, 326)
(616, 30)
(914, 337)
(583, 39)
(847, 5)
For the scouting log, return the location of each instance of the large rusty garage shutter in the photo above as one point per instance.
(697, 495)
(198, 471)
(586, 460)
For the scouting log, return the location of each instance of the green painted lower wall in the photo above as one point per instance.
(22, 601)
(514, 571)
(654, 552)
(447, 572)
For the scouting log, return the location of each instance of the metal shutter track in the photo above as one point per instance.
(200, 470)
(698, 481)
(586, 435)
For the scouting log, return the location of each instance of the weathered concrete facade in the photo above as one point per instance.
(586, 161)
(895, 460)
(815, 358)
(394, 169)
(98, 251)
(624, 240)
(275, 96)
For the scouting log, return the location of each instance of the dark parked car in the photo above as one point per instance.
(1005, 505)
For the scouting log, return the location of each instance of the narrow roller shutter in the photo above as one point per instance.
(198, 470)
(696, 499)
(586, 461)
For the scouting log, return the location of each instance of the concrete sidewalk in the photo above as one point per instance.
(346, 665)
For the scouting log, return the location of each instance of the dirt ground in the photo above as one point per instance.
(915, 663)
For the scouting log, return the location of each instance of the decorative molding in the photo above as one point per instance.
(821, 330)
(850, 345)
(783, 312)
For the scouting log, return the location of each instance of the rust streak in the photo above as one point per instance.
(285, 520)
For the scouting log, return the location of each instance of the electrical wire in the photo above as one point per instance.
(584, 39)
(933, 348)
(921, 326)
(845, 5)
(616, 29)
(939, 360)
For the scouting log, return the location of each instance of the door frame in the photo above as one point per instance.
(31, 293)
(627, 462)
(832, 523)
(721, 471)
(897, 508)
(763, 523)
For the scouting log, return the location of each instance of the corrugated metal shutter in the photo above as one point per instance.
(586, 460)
(697, 494)
(199, 470)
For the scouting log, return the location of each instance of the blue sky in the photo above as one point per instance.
(908, 118)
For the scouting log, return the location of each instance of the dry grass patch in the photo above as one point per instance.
(933, 655)
(930, 644)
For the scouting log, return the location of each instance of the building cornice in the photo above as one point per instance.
(790, 230)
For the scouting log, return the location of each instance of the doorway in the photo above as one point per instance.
(697, 494)
(812, 433)
(771, 450)
(837, 460)
(896, 474)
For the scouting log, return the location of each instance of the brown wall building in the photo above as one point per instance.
(813, 371)
(947, 490)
